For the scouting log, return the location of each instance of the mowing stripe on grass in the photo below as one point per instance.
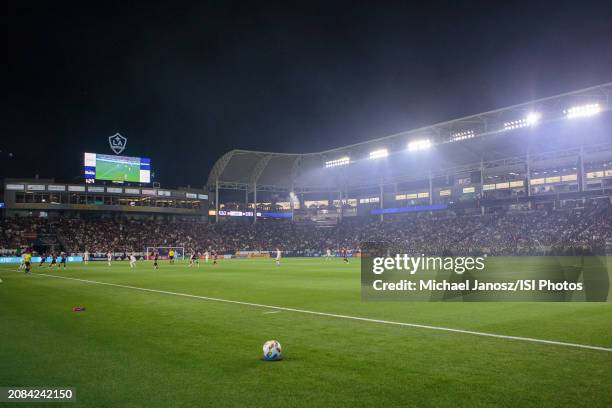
(339, 316)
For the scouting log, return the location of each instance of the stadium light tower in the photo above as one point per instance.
(582, 111)
(378, 154)
(342, 161)
(422, 144)
(532, 119)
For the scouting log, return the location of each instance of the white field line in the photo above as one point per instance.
(274, 311)
(339, 316)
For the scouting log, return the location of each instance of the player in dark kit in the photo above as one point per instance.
(215, 257)
(43, 259)
(344, 255)
(155, 259)
(63, 261)
(194, 259)
(53, 260)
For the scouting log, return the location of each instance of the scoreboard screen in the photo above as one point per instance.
(117, 168)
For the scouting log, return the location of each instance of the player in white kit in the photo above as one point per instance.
(109, 257)
(132, 260)
(328, 255)
(278, 256)
(86, 257)
(206, 256)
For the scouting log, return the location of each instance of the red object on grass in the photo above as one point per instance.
(78, 309)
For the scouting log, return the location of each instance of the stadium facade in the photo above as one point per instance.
(46, 197)
(546, 150)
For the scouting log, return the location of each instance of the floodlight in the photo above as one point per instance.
(531, 119)
(342, 161)
(422, 144)
(582, 111)
(458, 136)
(377, 154)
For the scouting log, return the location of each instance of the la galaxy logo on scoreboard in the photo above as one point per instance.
(117, 143)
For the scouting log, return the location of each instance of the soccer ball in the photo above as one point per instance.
(272, 351)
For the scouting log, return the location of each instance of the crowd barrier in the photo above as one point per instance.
(36, 259)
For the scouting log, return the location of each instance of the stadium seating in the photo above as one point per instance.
(502, 233)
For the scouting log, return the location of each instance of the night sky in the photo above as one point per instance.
(186, 83)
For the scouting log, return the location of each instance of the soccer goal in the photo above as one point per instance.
(179, 252)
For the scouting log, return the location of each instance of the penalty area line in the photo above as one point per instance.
(339, 316)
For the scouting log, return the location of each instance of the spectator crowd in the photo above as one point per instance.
(505, 233)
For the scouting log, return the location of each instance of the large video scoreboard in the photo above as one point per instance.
(117, 168)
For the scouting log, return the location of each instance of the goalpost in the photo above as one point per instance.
(609, 247)
(162, 251)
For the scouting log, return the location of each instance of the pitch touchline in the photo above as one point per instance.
(363, 319)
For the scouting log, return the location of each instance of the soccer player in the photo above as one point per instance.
(109, 257)
(53, 260)
(43, 259)
(345, 255)
(171, 256)
(63, 261)
(278, 256)
(155, 258)
(86, 257)
(22, 265)
(132, 260)
(214, 254)
(27, 258)
(206, 256)
(194, 259)
(328, 255)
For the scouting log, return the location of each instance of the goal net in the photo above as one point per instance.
(163, 252)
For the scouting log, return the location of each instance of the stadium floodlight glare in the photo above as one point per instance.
(422, 144)
(458, 136)
(293, 198)
(380, 153)
(342, 161)
(582, 111)
(531, 119)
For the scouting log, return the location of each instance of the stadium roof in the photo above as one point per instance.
(485, 139)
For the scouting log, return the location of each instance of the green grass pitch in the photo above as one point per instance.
(149, 349)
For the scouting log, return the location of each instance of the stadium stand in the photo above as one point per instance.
(500, 233)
